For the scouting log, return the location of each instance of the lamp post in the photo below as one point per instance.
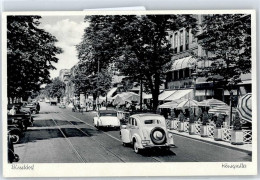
(97, 99)
(194, 75)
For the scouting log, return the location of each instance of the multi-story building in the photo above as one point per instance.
(182, 80)
(64, 74)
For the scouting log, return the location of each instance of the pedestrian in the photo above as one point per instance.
(12, 111)
(38, 107)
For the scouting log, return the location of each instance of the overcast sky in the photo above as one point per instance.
(69, 31)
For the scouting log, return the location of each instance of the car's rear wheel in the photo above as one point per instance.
(136, 149)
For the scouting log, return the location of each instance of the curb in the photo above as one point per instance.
(215, 143)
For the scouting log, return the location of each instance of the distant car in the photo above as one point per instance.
(146, 131)
(106, 118)
(62, 105)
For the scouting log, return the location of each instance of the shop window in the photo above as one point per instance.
(180, 74)
(175, 75)
(187, 72)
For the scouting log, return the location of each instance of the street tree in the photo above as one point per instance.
(88, 82)
(55, 89)
(228, 38)
(137, 44)
(31, 52)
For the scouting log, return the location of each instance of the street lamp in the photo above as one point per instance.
(194, 75)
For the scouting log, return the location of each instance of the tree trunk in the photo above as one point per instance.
(94, 101)
(155, 92)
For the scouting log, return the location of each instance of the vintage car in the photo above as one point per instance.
(22, 118)
(146, 131)
(31, 107)
(106, 118)
(12, 157)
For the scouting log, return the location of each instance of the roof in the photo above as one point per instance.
(183, 63)
(143, 115)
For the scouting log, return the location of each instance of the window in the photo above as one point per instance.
(187, 72)
(175, 40)
(180, 73)
(175, 75)
(152, 121)
(187, 39)
(181, 37)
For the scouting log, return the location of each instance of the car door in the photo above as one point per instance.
(133, 127)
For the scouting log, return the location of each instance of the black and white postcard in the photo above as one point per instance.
(129, 93)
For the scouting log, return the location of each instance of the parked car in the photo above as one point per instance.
(22, 118)
(32, 107)
(15, 132)
(106, 118)
(12, 157)
(146, 131)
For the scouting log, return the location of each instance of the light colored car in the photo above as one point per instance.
(146, 131)
(62, 105)
(106, 118)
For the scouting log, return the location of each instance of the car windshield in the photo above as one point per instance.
(108, 114)
(152, 121)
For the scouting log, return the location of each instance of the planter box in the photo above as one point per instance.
(192, 129)
(217, 134)
(204, 131)
(237, 137)
(173, 125)
(181, 127)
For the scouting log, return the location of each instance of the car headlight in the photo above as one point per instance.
(170, 135)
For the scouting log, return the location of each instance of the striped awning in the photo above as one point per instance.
(244, 107)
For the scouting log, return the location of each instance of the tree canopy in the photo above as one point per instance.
(228, 37)
(55, 89)
(137, 44)
(30, 54)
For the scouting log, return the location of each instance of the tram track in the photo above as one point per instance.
(95, 140)
(81, 159)
(100, 143)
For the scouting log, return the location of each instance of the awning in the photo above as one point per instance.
(183, 63)
(185, 93)
(165, 94)
(147, 96)
(111, 92)
(203, 93)
(245, 82)
(168, 105)
(244, 107)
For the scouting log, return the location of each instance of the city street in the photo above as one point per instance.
(62, 136)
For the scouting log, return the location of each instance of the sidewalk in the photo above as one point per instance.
(245, 148)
